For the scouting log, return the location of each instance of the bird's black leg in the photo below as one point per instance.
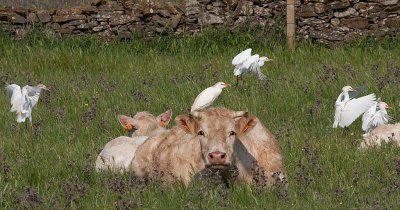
(237, 80)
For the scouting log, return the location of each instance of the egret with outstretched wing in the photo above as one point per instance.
(246, 63)
(253, 65)
(23, 100)
(373, 118)
(349, 109)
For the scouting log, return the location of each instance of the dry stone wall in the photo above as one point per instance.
(121, 18)
(327, 21)
(333, 22)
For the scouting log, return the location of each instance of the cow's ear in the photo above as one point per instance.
(186, 122)
(128, 123)
(164, 118)
(245, 124)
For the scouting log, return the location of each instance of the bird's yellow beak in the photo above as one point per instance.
(388, 107)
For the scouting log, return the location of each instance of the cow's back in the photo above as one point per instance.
(118, 153)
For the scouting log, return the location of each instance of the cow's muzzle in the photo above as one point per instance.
(217, 160)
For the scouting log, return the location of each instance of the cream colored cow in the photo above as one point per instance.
(218, 138)
(195, 142)
(382, 134)
(119, 152)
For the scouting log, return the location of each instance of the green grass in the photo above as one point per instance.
(55, 158)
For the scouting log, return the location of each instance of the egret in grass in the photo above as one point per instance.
(349, 108)
(208, 96)
(375, 116)
(246, 63)
(23, 100)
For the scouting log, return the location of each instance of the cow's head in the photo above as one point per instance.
(216, 135)
(144, 123)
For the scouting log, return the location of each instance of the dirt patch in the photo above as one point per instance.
(28, 199)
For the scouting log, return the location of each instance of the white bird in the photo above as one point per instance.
(373, 118)
(23, 100)
(348, 108)
(208, 96)
(246, 63)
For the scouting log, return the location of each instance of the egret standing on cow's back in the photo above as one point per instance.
(246, 63)
(23, 100)
(208, 96)
(348, 108)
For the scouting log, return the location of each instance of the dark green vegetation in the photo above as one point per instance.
(51, 164)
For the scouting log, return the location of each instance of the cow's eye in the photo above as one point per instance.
(200, 133)
(232, 133)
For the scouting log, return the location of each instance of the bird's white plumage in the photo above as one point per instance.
(368, 115)
(238, 61)
(33, 95)
(373, 118)
(249, 62)
(14, 92)
(23, 100)
(208, 96)
(253, 65)
(348, 110)
(241, 57)
(246, 63)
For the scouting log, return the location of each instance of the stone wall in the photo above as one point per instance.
(121, 18)
(333, 22)
(327, 21)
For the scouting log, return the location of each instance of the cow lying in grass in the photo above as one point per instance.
(214, 138)
(389, 133)
(119, 152)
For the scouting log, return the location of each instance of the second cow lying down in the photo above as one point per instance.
(119, 152)
(389, 133)
(217, 138)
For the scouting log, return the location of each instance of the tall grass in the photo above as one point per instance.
(50, 165)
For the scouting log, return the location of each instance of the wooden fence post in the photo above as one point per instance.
(291, 24)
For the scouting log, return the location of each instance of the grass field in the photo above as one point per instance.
(50, 166)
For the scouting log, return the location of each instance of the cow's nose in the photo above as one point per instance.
(216, 158)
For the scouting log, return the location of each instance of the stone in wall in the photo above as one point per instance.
(65, 18)
(356, 23)
(328, 37)
(43, 16)
(209, 19)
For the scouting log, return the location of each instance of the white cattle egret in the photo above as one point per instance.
(373, 118)
(246, 63)
(23, 100)
(348, 108)
(208, 96)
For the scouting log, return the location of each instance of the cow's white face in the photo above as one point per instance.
(217, 135)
